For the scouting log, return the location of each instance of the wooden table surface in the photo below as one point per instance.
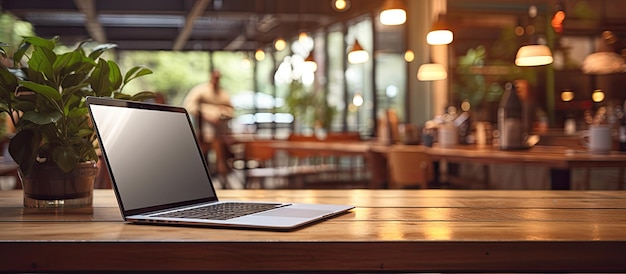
(389, 230)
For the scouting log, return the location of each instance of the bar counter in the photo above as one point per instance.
(389, 230)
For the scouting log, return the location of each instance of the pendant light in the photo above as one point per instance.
(393, 13)
(440, 33)
(310, 63)
(357, 54)
(431, 72)
(533, 55)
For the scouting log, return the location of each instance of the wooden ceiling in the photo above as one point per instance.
(181, 24)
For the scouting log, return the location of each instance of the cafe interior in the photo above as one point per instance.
(479, 94)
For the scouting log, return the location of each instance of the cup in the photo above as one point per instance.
(598, 139)
(448, 136)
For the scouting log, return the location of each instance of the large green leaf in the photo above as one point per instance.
(48, 92)
(42, 42)
(100, 79)
(41, 61)
(23, 148)
(66, 158)
(42, 118)
(67, 63)
(115, 75)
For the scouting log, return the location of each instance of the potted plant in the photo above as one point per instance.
(54, 144)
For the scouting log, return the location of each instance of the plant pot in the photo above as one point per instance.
(49, 187)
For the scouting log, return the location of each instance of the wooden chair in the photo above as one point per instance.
(409, 169)
(261, 166)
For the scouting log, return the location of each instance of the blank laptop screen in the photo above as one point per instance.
(153, 156)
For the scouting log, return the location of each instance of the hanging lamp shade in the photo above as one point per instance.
(393, 13)
(431, 72)
(357, 54)
(310, 63)
(440, 33)
(533, 55)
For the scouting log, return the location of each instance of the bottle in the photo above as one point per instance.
(510, 120)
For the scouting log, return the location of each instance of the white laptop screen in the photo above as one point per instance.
(152, 155)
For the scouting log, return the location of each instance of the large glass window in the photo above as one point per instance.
(359, 81)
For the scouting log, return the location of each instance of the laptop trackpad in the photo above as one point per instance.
(293, 212)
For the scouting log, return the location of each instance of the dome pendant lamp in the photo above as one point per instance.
(357, 54)
(393, 13)
(440, 33)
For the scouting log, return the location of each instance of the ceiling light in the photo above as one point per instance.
(567, 95)
(310, 63)
(409, 56)
(259, 55)
(340, 5)
(280, 44)
(440, 33)
(357, 54)
(393, 13)
(597, 96)
(431, 72)
(533, 55)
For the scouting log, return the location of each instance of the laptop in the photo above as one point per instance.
(160, 176)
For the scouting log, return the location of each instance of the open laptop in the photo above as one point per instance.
(160, 177)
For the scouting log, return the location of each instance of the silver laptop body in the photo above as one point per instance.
(157, 169)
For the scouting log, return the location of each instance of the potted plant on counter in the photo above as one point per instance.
(54, 143)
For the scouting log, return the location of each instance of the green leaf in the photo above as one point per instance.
(142, 96)
(122, 96)
(67, 63)
(115, 76)
(66, 157)
(23, 147)
(42, 118)
(100, 79)
(135, 72)
(40, 42)
(48, 92)
(8, 83)
(19, 53)
(100, 49)
(41, 61)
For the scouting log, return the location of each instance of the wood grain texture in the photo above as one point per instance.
(389, 230)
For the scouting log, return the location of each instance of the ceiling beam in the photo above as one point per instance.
(93, 26)
(198, 8)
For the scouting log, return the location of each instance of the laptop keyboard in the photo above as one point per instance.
(221, 211)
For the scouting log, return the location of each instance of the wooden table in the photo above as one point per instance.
(559, 159)
(389, 230)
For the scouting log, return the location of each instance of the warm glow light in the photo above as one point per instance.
(431, 72)
(409, 56)
(357, 100)
(567, 95)
(393, 17)
(302, 37)
(439, 37)
(340, 5)
(357, 55)
(533, 55)
(597, 95)
(466, 106)
(280, 44)
(259, 55)
(310, 63)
